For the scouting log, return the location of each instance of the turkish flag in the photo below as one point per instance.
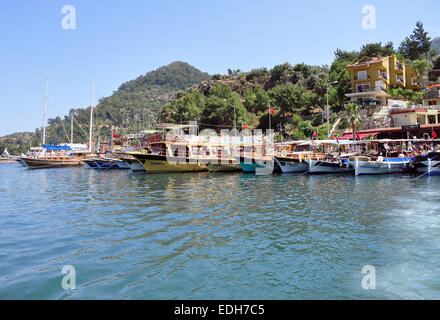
(115, 135)
(358, 137)
(337, 140)
(271, 110)
(314, 133)
(244, 127)
(434, 135)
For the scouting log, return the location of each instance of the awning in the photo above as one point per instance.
(361, 135)
(56, 148)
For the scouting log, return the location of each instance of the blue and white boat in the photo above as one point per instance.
(101, 163)
(364, 165)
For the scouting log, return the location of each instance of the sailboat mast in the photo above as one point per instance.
(91, 117)
(45, 113)
(71, 127)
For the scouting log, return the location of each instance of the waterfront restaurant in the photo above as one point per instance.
(418, 131)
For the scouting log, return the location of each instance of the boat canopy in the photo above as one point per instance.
(56, 148)
(341, 142)
(361, 135)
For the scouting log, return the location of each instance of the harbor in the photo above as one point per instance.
(219, 159)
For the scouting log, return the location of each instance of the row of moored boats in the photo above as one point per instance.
(165, 155)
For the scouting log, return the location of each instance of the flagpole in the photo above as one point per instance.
(45, 112)
(270, 122)
(91, 117)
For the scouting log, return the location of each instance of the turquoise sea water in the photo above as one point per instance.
(216, 236)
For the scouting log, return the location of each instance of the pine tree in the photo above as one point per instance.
(420, 36)
(417, 44)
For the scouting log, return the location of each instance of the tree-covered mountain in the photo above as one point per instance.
(133, 107)
(436, 44)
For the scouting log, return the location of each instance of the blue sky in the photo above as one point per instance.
(116, 41)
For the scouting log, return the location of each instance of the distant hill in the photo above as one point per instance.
(436, 44)
(134, 106)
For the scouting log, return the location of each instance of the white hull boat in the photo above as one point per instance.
(380, 166)
(292, 166)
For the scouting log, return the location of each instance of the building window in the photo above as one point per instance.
(381, 74)
(365, 87)
(362, 75)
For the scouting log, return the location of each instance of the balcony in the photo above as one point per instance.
(382, 76)
(399, 67)
(368, 89)
(367, 77)
(433, 93)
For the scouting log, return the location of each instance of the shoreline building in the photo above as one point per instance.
(371, 77)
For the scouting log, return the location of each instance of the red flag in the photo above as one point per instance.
(244, 127)
(337, 140)
(358, 137)
(271, 110)
(434, 135)
(115, 135)
(314, 133)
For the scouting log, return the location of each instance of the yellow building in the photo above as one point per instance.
(371, 77)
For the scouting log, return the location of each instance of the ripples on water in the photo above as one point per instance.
(216, 236)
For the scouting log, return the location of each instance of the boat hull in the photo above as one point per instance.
(223, 167)
(291, 165)
(428, 164)
(122, 164)
(50, 163)
(379, 167)
(90, 164)
(324, 167)
(160, 164)
(250, 165)
(106, 165)
(428, 167)
(134, 165)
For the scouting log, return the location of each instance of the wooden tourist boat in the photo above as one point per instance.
(293, 157)
(51, 162)
(329, 165)
(54, 157)
(162, 156)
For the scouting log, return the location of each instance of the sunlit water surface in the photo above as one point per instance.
(216, 236)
